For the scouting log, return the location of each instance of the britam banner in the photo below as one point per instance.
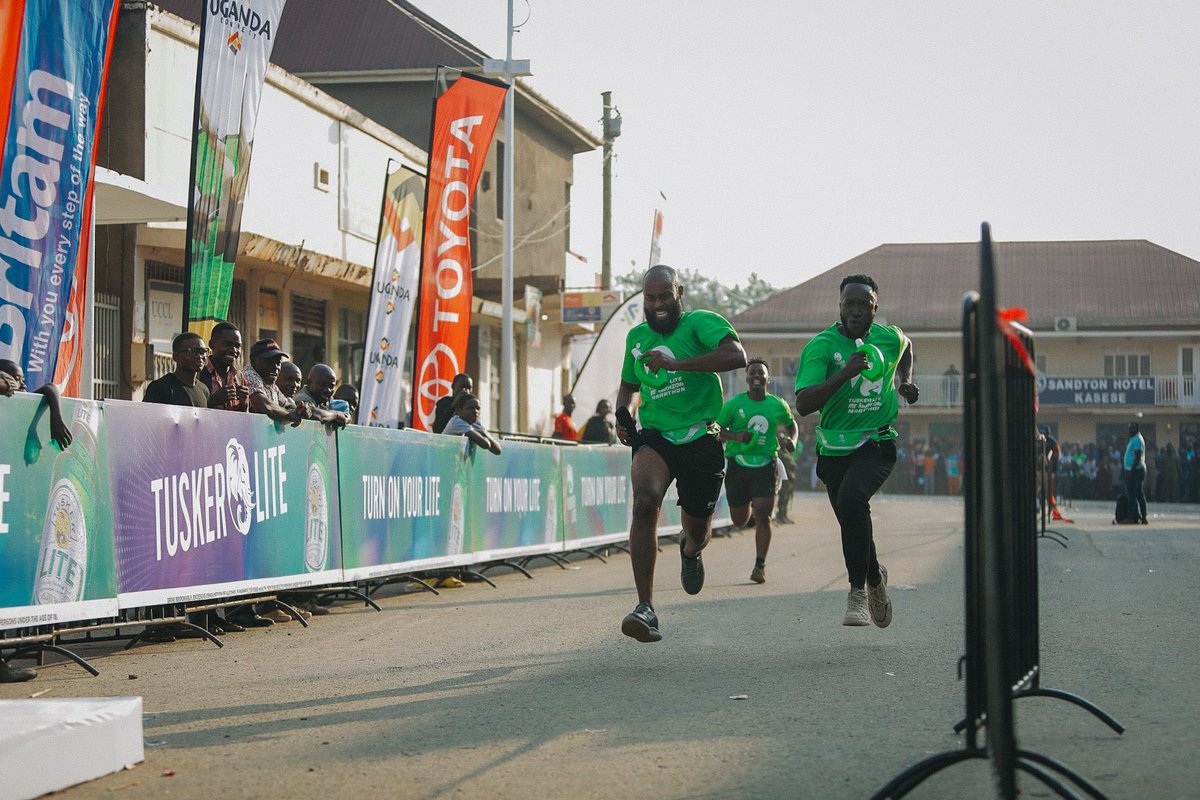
(53, 62)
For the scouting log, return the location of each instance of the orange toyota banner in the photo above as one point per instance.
(464, 120)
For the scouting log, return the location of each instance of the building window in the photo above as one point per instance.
(308, 332)
(500, 180)
(352, 334)
(1126, 365)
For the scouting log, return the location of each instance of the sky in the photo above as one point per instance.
(789, 137)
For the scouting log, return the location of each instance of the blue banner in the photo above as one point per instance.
(1096, 391)
(55, 88)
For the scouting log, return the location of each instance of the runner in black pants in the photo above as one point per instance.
(856, 447)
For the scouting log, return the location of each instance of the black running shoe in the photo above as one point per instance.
(641, 624)
(691, 570)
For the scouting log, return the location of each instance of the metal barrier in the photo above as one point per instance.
(1002, 640)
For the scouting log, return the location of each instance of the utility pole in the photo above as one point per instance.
(611, 130)
(509, 69)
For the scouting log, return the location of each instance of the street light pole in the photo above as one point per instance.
(611, 124)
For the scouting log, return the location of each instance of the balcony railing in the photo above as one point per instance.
(945, 391)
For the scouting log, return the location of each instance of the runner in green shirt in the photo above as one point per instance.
(672, 359)
(750, 424)
(856, 447)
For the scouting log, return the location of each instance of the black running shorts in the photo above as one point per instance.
(743, 484)
(698, 469)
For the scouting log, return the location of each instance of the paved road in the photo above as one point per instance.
(529, 688)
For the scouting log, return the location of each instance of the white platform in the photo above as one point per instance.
(47, 745)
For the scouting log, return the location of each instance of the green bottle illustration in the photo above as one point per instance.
(875, 361)
(70, 514)
(316, 508)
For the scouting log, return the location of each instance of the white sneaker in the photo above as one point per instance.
(856, 609)
(877, 598)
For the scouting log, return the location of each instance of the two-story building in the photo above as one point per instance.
(1116, 326)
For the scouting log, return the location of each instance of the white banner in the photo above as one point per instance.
(384, 394)
(600, 376)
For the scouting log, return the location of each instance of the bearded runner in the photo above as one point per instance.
(672, 359)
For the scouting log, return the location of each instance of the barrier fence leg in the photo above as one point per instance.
(1077, 700)
(41, 647)
(1061, 769)
(1057, 786)
(915, 774)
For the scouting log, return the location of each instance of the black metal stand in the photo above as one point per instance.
(504, 563)
(555, 557)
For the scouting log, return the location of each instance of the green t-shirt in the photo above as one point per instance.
(860, 409)
(763, 417)
(679, 405)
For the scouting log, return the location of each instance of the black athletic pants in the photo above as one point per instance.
(851, 481)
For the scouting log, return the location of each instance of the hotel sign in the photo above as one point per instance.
(1095, 391)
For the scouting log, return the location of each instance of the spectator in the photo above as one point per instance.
(444, 409)
(950, 386)
(183, 388)
(290, 379)
(465, 422)
(259, 379)
(598, 428)
(564, 426)
(1135, 473)
(316, 395)
(348, 393)
(226, 389)
(14, 381)
(787, 486)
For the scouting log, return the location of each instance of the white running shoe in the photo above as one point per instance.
(856, 609)
(880, 603)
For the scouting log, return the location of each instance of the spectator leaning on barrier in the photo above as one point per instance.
(290, 379)
(599, 428)
(465, 422)
(317, 393)
(226, 389)
(348, 394)
(443, 410)
(564, 426)
(259, 378)
(14, 381)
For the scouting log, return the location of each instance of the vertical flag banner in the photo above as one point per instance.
(235, 48)
(464, 120)
(393, 288)
(656, 236)
(53, 62)
(600, 376)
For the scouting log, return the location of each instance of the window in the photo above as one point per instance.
(308, 332)
(1126, 365)
(352, 333)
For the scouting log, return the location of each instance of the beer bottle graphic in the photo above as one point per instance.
(316, 507)
(63, 553)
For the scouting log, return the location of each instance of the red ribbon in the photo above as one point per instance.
(1005, 317)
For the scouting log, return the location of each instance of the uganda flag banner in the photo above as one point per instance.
(236, 38)
(464, 120)
(393, 290)
(53, 63)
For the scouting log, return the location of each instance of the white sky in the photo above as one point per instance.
(790, 135)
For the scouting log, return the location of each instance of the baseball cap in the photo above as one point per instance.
(267, 347)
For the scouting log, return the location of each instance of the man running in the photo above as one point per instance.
(856, 447)
(749, 425)
(672, 359)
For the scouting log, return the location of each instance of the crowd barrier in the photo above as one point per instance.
(1002, 639)
(156, 505)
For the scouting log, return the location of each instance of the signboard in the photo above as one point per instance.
(589, 306)
(1095, 391)
(166, 313)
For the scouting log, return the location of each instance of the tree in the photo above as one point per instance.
(700, 291)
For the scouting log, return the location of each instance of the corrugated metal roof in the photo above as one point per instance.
(1102, 284)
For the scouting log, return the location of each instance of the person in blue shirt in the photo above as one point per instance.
(1135, 473)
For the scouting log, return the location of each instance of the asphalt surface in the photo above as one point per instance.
(529, 689)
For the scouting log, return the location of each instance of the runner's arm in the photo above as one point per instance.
(624, 398)
(813, 398)
(727, 355)
(907, 389)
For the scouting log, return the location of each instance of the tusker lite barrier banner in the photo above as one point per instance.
(53, 63)
(210, 504)
(236, 38)
(56, 547)
(393, 290)
(464, 120)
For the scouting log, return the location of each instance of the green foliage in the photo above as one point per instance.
(700, 291)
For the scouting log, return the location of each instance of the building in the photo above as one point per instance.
(381, 66)
(1116, 327)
